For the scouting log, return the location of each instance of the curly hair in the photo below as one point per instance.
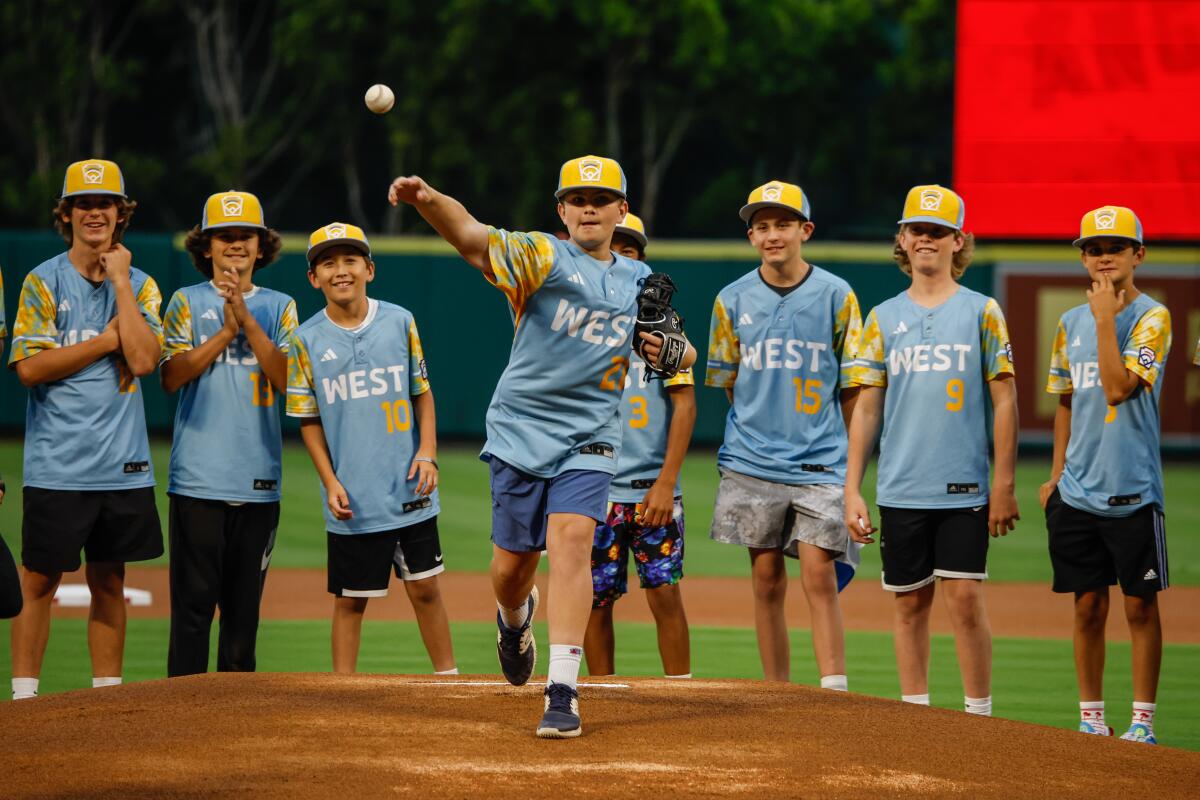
(198, 242)
(962, 259)
(63, 208)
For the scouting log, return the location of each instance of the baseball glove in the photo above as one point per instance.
(657, 316)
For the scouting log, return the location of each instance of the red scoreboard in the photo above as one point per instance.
(1062, 106)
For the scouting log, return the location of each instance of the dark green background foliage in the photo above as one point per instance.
(701, 100)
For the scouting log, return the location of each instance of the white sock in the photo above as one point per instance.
(915, 699)
(1143, 714)
(451, 671)
(1092, 711)
(684, 676)
(980, 706)
(24, 688)
(514, 618)
(98, 682)
(564, 664)
(836, 682)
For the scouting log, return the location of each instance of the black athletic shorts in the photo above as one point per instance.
(114, 525)
(1089, 551)
(361, 564)
(919, 545)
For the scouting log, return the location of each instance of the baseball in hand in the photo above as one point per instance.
(379, 98)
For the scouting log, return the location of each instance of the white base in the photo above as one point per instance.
(77, 595)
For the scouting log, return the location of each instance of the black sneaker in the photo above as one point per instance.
(561, 718)
(516, 648)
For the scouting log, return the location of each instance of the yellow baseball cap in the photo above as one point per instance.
(936, 204)
(1117, 222)
(334, 234)
(777, 194)
(591, 172)
(232, 210)
(633, 227)
(94, 176)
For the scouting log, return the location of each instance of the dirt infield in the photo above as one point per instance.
(310, 736)
(1015, 609)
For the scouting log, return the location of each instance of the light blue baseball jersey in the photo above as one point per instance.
(226, 442)
(361, 383)
(1113, 466)
(555, 407)
(646, 410)
(786, 359)
(88, 430)
(935, 364)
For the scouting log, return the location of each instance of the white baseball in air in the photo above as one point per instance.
(379, 98)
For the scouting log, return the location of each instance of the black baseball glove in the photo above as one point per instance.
(657, 316)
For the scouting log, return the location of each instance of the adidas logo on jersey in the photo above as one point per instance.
(210, 314)
(1076, 342)
(328, 355)
(576, 278)
(901, 328)
(744, 319)
(65, 305)
(1150, 575)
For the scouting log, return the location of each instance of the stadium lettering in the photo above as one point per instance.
(1085, 375)
(598, 324)
(353, 385)
(782, 354)
(928, 358)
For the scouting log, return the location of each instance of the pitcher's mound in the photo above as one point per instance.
(302, 735)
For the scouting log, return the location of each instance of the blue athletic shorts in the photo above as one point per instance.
(521, 502)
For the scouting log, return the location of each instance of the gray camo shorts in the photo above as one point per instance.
(762, 514)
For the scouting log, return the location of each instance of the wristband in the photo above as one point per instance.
(427, 460)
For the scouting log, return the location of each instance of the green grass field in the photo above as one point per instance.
(466, 513)
(1034, 680)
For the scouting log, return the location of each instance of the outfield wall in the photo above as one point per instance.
(465, 325)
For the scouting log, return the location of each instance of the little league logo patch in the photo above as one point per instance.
(772, 192)
(1008, 351)
(423, 369)
(231, 205)
(931, 200)
(1106, 219)
(336, 232)
(93, 173)
(590, 170)
(1146, 357)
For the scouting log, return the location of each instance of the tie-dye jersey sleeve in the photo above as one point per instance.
(847, 331)
(3, 325)
(34, 328)
(1148, 343)
(520, 264)
(724, 349)
(418, 373)
(868, 368)
(1059, 381)
(301, 394)
(997, 348)
(149, 300)
(288, 322)
(177, 327)
(685, 377)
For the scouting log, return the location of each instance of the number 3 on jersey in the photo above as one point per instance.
(639, 417)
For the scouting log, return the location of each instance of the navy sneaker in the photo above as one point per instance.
(561, 718)
(516, 648)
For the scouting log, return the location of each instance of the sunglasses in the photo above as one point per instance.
(1096, 250)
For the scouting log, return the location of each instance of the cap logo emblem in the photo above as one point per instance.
(1106, 219)
(335, 232)
(231, 205)
(931, 200)
(590, 170)
(772, 192)
(93, 173)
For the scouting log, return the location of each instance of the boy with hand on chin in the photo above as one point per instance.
(553, 427)
(86, 330)
(929, 362)
(358, 382)
(226, 352)
(1104, 499)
